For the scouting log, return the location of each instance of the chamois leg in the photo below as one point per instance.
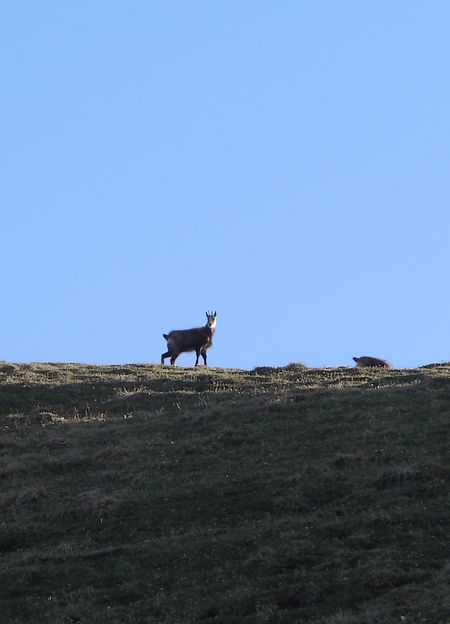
(203, 354)
(197, 351)
(164, 356)
(173, 358)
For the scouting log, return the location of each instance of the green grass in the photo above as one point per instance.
(141, 494)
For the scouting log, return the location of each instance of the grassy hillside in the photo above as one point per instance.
(136, 494)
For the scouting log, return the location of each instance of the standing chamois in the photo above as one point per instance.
(197, 339)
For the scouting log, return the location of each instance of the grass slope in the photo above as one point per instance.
(136, 494)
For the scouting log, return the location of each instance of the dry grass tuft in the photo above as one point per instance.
(92, 503)
(397, 476)
(264, 370)
(64, 551)
(36, 416)
(57, 443)
(296, 367)
(344, 460)
(26, 496)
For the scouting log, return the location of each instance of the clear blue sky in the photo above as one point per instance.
(284, 163)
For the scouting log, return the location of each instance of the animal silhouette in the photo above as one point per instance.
(366, 360)
(197, 339)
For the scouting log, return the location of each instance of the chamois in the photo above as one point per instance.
(366, 360)
(197, 339)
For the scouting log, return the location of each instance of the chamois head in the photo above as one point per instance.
(211, 319)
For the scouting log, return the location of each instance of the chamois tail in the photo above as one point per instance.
(166, 336)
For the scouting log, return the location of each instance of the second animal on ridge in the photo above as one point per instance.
(366, 360)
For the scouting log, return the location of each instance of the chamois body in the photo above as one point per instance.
(366, 360)
(197, 339)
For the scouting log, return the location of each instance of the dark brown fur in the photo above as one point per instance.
(197, 339)
(366, 360)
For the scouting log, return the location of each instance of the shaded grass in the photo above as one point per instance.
(142, 494)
